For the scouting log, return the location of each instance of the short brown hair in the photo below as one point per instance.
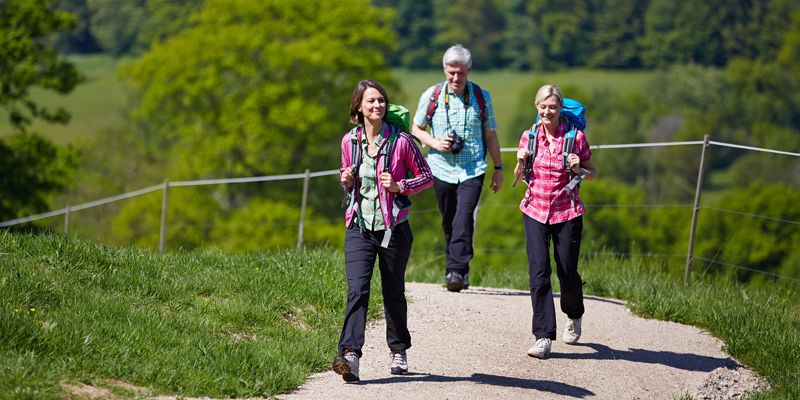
(357, 117)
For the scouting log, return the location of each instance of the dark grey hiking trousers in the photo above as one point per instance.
(566, 237)
(361, 248)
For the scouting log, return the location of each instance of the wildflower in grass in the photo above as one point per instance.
(16, 311)
(32, 310)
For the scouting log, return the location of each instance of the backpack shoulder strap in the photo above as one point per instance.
(433, 101)
(389, 152)
(478, 92)
(569, 143)
(355, 149)
(533, 147)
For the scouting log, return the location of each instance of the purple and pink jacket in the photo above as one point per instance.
(407, 160)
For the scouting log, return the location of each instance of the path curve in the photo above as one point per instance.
(473, 345)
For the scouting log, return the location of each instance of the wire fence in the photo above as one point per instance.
(307, 176)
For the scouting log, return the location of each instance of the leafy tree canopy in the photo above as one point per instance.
(259, 87)
(27, 59)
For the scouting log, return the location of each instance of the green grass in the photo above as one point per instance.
(211, 324)
(194, 324)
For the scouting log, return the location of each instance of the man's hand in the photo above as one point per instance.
(497, 180)
(444, 144)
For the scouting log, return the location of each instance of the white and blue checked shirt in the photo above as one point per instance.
(466, 121)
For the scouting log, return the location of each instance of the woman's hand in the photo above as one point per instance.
(388, 182)
(347, 177)
(574, 163)
(522, 155)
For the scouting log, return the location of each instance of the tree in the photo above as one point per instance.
(33, 168)
(260, 87)
(617, 26)
(414, 27)
(564, 28)
(29, 61)
(476, 24)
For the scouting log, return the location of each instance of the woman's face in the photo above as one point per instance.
(373, 105)
(549, 110)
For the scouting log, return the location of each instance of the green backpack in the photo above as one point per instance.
(398, 116)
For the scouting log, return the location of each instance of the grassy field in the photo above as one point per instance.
(95, 104)
(136, 323)
(100, 101)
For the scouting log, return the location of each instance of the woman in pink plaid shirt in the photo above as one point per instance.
(551, 211)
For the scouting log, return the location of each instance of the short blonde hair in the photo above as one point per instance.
(547, 91)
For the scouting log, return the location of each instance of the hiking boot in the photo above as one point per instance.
(540, 349)
(399, 364)
(455, 281)
(572, 332)
(346, 365)
(466, 281)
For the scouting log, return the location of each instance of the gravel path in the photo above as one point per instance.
(473, 345)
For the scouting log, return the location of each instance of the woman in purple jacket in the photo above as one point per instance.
(380, 166)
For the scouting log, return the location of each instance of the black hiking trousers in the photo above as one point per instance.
(566, 237)
(457, 203)
(361, 248)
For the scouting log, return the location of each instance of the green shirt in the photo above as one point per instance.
(371, 217)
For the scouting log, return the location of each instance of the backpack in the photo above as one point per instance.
(575, 114)
(433, 102)
(398, 116)
(401, 201)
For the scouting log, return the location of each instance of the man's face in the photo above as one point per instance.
(456, 75)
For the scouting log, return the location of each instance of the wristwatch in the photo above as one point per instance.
(498, 167)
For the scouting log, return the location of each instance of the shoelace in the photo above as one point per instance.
(397, 358)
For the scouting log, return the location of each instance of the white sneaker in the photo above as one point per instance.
(347, 366)
(572, 332)
(540, 349)
(399, 362)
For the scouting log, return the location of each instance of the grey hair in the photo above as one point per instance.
(457, 54)
(547, 91)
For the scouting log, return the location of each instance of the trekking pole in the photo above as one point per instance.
(695, 210)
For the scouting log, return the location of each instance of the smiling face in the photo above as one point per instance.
(456, 75)
(549, 110)
(373, 105)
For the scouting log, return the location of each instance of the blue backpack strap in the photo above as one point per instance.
(569, 143)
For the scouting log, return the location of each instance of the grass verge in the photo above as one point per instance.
(193, 324)
(210, 324)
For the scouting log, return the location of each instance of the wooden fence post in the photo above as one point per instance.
(66, 221)
(695, 211)
(162, 238)
(303, 209)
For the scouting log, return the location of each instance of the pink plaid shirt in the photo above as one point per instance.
(546, 200)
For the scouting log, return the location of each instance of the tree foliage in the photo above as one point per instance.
(28, 60)
(249, 91)
(33, 169)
